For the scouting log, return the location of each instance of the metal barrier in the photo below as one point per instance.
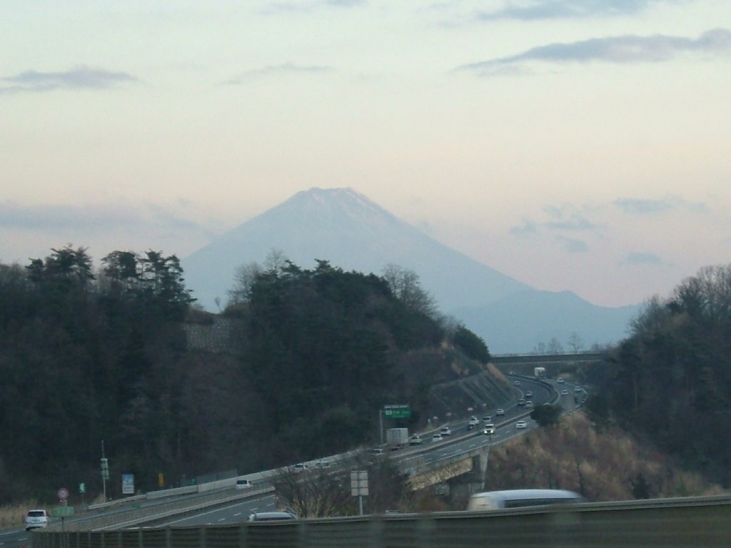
(173, 507)
(662, 523)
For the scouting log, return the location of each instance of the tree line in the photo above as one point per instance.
(670, 380)
(91, 356)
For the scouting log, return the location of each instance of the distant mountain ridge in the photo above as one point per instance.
(520, 322)
(353, 233)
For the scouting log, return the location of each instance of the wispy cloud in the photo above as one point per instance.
(526, 228)
(533, 10)
(59, 217)
(277, 70)
(306, 6)
(634, 206)
(567, 217)
(641, 258)
(77, 78)
(566, 224)
(614, 49)
(345, 3)
(573, 245)
(575, 223)
(86, 217)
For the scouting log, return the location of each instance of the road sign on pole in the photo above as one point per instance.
(63, 493)
(128, 484)
(359, 482)
(359, 486)
(397, 411)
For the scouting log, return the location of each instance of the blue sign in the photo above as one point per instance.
(128, 484)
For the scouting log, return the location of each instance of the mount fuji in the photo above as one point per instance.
(350, 231)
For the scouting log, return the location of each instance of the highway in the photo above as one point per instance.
(695, 521)
(461, 441)
(15, 538)
(226, 515)
(464, 440)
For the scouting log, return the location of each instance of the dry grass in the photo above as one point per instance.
(11, 516)
(602, 466)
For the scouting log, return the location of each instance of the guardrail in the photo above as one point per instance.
(661, 523)
(162, 494)
(500, 359)
(162, 510)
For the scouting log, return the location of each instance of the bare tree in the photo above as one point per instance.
(276, 261)
(243, 282)
(575, 342)
(317, 493)
(554, 347)
(245, 275)
(405, 285)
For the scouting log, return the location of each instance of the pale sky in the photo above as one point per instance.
(571, 144)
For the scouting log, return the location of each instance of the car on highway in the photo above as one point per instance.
(322, 464)
(521, 402)
(271, 516)
(243, 483)
(564, 392)
(437, 437)
(376, 452)
(516, 383)
(499, 412)
(415, 439)
(529, 394)
(487, 418)
(520, 425)
(578, 389)
(520, 498)
(445, 431)
(474, 421)
(35, 519)
(529, 404)
(489, 429)
(560, 380)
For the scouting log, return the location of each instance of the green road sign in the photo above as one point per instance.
(61, 511)
(397, 411)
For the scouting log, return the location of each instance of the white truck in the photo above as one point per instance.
(539, 372)
(397, 438)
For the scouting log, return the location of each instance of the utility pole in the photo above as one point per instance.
(380, 423)
(105, 472)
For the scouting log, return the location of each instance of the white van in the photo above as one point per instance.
(518, 498)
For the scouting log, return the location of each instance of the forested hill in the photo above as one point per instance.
(101, 357)
(671, 382)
